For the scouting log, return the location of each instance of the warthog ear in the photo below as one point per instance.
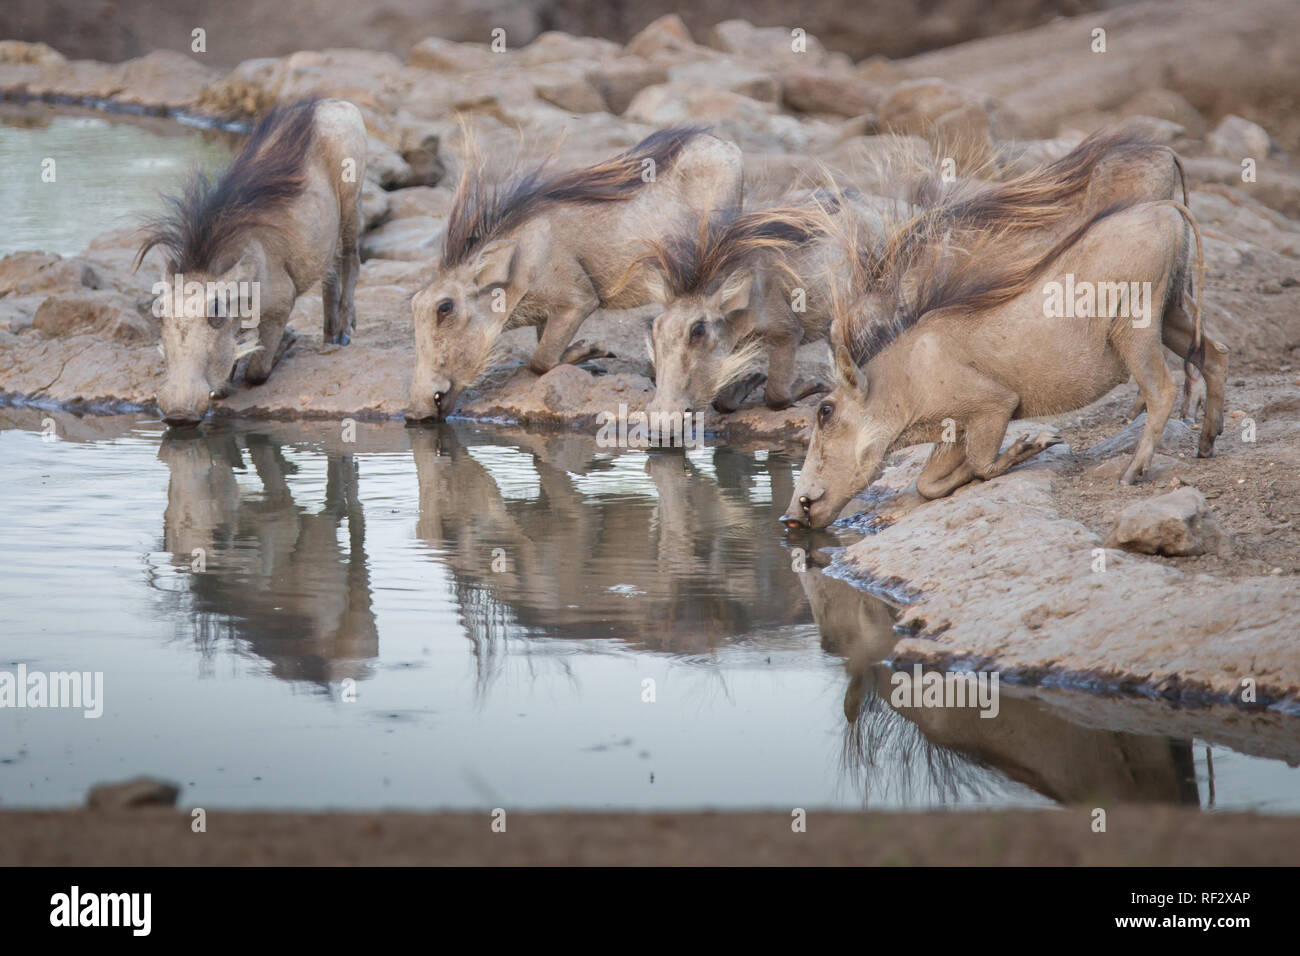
(734, 294)
(847, 371)
(496, 263)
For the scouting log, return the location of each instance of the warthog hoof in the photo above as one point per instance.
(583, 351)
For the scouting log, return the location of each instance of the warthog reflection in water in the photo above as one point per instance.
(681, 570)
(276, 577)
(892, 752)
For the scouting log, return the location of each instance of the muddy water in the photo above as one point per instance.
(71, 175)
(465, 618)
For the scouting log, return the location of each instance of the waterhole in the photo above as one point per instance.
(460, 617)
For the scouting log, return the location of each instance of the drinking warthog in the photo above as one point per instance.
(735, 285)
(282, 217)
(547, 250)
(1031, 211)
(979, 347)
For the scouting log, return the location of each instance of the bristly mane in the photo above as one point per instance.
(970, 248)
(696, 259)
(208, 216)
(485, 209)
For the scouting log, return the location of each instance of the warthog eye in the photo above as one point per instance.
(444, 309)
(697, 331)
(825, 412)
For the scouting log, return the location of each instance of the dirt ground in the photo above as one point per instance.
(1135, 836)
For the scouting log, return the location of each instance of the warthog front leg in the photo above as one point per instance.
(582, 351)
(780, 373)
(948, 467)
(562, 325)
(734, 395)
(276, 340)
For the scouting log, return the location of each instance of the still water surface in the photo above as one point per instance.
(497, 601)
(69, 175)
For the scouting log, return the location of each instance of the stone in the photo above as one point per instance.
(107, 313)
(130, 794)
(1236, 138)
(1177, 524)
(1176, 432)
(822, 91)
(409, 239)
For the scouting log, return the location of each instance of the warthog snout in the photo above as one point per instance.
(799, 515)
(432, 403)
(183, 408)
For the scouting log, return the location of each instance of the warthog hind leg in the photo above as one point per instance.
(1147, 363)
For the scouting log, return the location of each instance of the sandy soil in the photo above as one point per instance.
(1135, 836)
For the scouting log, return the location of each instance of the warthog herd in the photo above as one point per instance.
(950, 313)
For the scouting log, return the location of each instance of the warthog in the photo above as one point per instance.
(735, 285)
(978, 348)
(547, 250)
(280, 218)
(1031, 211)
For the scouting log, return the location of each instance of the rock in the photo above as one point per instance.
(420, 201)
(750, 124)
(1177, 524)
(139, 792)
(1166, 105)
(34, 54)
(563, 387)
(619, 81)
(385, 165)
(881, 71)
(412, 238)
(107, 313)
(773, 47)
(665, 38)
(20, 267)
(556, 47)
(444, 56)
(163, 78)
(729, 75)
(1176, 432)
(1161, 469)
(944, 114)
(569, 88)
(421, 149)
(823, 91)
(1237, 139)
(374, 204)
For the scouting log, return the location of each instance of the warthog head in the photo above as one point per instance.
(459, 318)
(202, 317)
(698, 343)
(849, 443)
